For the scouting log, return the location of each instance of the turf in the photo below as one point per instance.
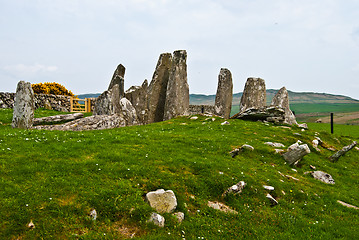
(55, 178)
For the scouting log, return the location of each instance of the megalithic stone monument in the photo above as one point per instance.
(24, 106)
(281, 99)
(119, 79)
(254, 94)
(177, 95)
(223, 102)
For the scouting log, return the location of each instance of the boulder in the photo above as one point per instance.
(158, 88)
(108, 103)
(157, 220)
(177, 95)
(223, 101)
(269, 114)
(295, 153)
(24, 106)
(281, 99)
(119, 79)
(128, 112)
(254, 94)
(138, 97)
(323, 176)
(161, 200)
(235, 189)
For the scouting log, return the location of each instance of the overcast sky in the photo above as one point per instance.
(305, 45)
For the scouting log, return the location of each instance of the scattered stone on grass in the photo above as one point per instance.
(93, 214)
(303, 125)
(270, 188)
(225, 123)
(235, 189)
(31, 225)
(272, 199)
(279, 150)
(295, 153)
(236, 151)
(194, 118)
(312, 167)
(157, 219)
(323, 176)
(347, 205)
(161, 200)
(221, 207)
(288, 176)
(335, 157)
(274, 144)
(179, 216)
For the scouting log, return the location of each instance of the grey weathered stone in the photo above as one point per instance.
(221, 207)
(274, 144)
(95, 122)
(235, 189)
(269, 188)
(281, 99)
(158, 88)
(58, 118)
(24, 106)
(269, 114)
(347, 205)
(223, 102)
(254, 94)
(335, 157)
(161, 200)
(272, 199)
(177, 95)
(179, 216)
(157, 219)
(201, 109)
(139, 98)
(108, 103)
(236, 151)
(303, 125)
(119, 79)
(128, 112)
(296, 152)
(323, 176)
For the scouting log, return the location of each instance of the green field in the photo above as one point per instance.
(55, 178)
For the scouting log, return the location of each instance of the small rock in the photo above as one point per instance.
(213, 119)
(296, 152)
(157, 219)
(312, 167)
(93, 214)
(319, 120)
(315, 144)
(179, 216)
(235, 189)
(323, 176)
(248, 147)
(194, 118)
(225, 123)
(303, 125)
(236, 151)
(31, 225)
(274, 144)
(270, 188)
(278, 150)
(272, 199)
(161, 200)
(221, 207)
(357, 148)
(347, 205)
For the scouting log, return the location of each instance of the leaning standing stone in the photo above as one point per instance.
(296, 152)
(223, 102)
(24, 106)
(161, 200)
(281, 99)
(254, 94)
(119, 79)
(177, 95)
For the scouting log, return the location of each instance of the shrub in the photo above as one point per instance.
(51, 88)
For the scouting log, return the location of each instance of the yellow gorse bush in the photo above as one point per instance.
(51, 88)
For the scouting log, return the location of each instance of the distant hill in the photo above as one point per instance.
(294, 97)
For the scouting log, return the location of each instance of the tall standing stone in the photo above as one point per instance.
(158, 87)
(254, 94)
(119, 79)
(281, 99)
(137, 95)
(177, 96)
(24, 106)
(108, 102)
(223, 102)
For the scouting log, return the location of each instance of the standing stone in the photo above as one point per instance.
(177, 96)
(254, 94)
(138, 97)
(158, 87)
(223, 102)
(119, 79)
(108, 102)
(24, 106)
(281, 99)
(128, 112)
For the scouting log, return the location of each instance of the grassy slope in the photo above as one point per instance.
(55, 178)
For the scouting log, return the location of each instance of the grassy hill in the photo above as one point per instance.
(55, 178)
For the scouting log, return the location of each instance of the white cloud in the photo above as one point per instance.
(29, 69)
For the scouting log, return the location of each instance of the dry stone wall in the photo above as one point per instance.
(50, 101)
(198, 109)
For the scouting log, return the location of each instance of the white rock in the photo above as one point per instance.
(157, 220)
(246, 146)
(225, 123)
(161, 200)
(273, 201)
(194, 118)
(270, 188)
(179, 216)
(274, 144)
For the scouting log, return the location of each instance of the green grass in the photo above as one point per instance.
(300, 108)
(54, 178)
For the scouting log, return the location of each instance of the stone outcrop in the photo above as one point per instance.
(158, 88)
(138, 97)
(108, 102)
(24, 106)
(161, 200)
(281, 99)
(269, 114)
(119, 79)
(95, 122)
(323, 176)
(295, 153)
(254, 94)
(224, 95)
(177, 95)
